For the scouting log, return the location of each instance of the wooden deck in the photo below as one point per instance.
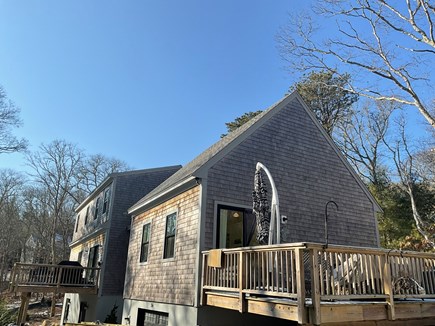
(311, 284)
(43, 278)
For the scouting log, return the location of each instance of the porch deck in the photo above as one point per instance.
(311, 284)
(44, 278)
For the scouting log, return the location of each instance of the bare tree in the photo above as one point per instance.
(55, 168)
(387, 44)
(362, 138)
(11, 183)
(94, 169)
(36, 215)
(404, 160)
(9, 118)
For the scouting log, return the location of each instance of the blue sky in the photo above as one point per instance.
(148, 82)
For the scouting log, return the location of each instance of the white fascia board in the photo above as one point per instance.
(134, 209)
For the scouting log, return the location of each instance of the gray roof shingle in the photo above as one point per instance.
(193, 166)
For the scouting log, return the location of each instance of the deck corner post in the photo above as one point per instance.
(203, 298)
(388, 287)
(300, 285)
(315, 286)
(242, 280)
(22, 313)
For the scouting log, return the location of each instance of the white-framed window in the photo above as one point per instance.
(170, 230)
(145, 243)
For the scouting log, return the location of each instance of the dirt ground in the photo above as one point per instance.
(39, 309)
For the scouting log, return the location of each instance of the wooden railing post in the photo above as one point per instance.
(12, 281)
(242, 280)
(315, 286)
(388, 287)
(300, 285)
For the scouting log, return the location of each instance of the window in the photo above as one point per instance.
(171, 221)
(93, 261)
(87, 215)
(152, 318)
(97, 206)
(78, 221)
(106, 201)
(79, 257)
(236, 227)
(145, 244)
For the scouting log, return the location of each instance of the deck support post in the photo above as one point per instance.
(53, 305)
(300, 285)
(203, 298)
(22, 313)
(388, 288)
(315, 287)
(242, 279)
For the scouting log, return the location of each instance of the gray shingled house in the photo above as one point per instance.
(208, 204)
(101, 239)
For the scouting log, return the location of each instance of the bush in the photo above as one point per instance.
(111, 317)
(7, 316)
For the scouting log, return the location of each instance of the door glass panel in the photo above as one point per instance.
(236, 227)
(230, 228)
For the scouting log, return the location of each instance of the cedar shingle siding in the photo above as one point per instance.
(165, 280)
(307, 172)
(128, 189)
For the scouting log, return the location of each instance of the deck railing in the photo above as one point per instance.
(309, 270)
(52, 276)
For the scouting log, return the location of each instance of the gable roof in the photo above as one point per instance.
(197, 168)
(115, 175)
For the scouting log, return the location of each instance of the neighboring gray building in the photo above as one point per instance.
(101, 236)
(207, 204)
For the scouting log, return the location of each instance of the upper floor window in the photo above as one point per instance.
(78, 221)
(171, 224)
(87, 215)
(79, 257)
(97, 207)
(106, 201)
(145, 243)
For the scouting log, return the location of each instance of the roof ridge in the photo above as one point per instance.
(204, 157)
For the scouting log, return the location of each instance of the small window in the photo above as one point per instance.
(97, 206)
(77, 223)
(87, 215)
(106, 201)
(145, 244)
(152, 318)
(171, 223)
